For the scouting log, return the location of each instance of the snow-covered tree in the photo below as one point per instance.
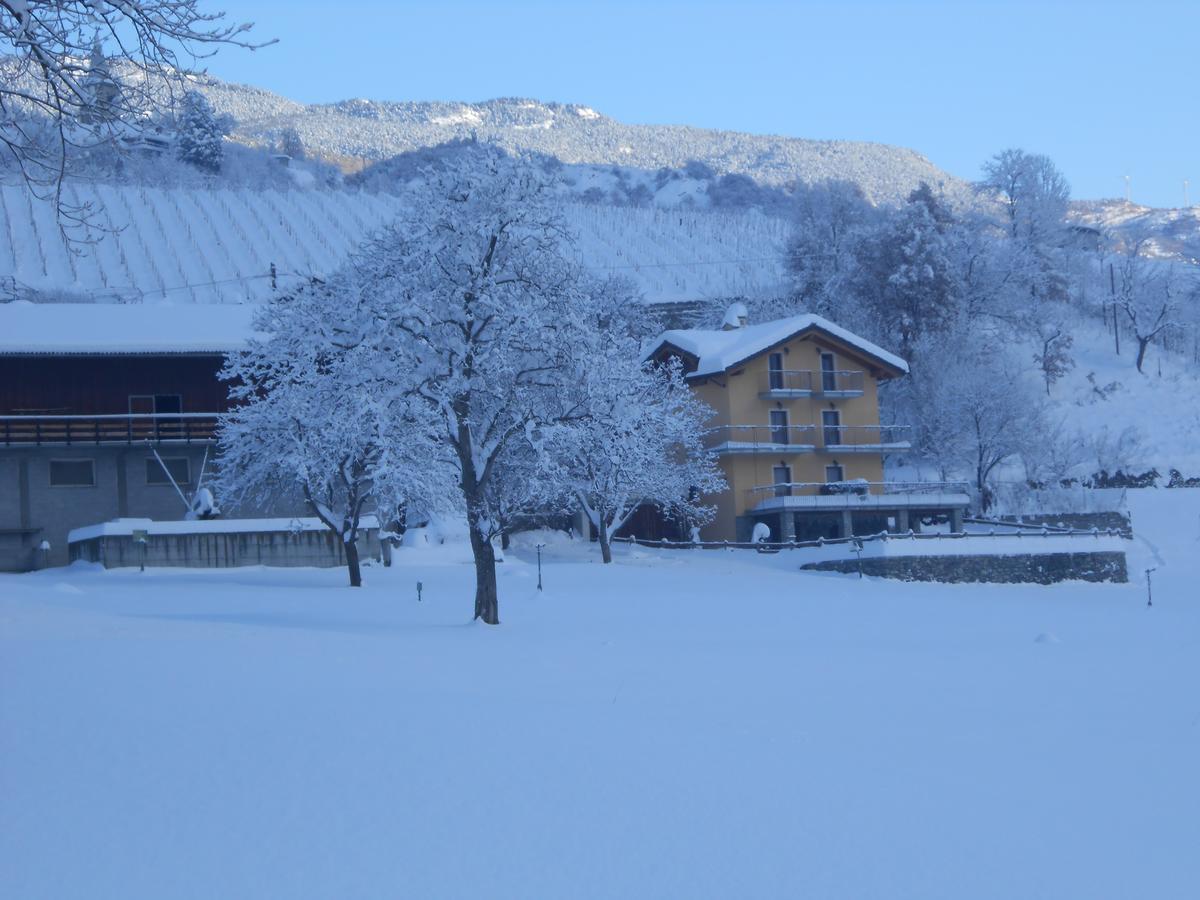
(1148, 296)
(1033, 191)
(829, 222)
(102, 91)
(634, 436)
(48, 99)
(1034, 195)
(1053, 354)
(199, 138)
(291, 144)
(974, 411)
(906, 276)
(317, 417)
(478, 306)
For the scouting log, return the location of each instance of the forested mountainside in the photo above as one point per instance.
(358, 131)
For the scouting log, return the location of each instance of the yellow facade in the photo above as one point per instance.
(743, 396)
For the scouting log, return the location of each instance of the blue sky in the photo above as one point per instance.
(1105, 89)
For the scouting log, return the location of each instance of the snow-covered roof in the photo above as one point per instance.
(719, 350)
(104, 328)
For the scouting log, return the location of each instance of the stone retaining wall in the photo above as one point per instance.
(1024, 568)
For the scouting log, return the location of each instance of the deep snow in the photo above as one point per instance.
(682, 723)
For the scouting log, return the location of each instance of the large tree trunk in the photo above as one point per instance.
(352, 563)
(487, 601)
(605, 542)
(1143, 344)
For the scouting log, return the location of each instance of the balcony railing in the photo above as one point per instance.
(760, 439)
(184, 428)
(788, 383)
(766, 495)
(780, 383)
(865, 438)
(840, 383)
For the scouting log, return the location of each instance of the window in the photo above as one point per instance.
(779, 426)
(783, 480)
(179, 467)
(147, 404)
(834, 473)
(159, 410)
(72, 473)
(831, 426)
(775, 371)
(828, 373)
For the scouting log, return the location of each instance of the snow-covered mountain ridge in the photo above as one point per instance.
(625, 163)
(1166, 233)
(358, 131)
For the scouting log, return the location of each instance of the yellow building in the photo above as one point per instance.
(797, 431)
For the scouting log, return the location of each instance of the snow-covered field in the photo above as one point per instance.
(192, 245)
(679, 724)
(1160, 406)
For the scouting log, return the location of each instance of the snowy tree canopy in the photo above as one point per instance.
(315, 416)
(475, 310)
(637, 441)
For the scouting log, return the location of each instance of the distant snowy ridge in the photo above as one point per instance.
(372, 130)
(1167, 233)
(199, 245)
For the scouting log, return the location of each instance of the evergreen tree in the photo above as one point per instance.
(199, 137)
(291, 144)
(907, 276)
(102, 94)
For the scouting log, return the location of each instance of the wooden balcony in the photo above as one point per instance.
(182, 428)
(736, 439)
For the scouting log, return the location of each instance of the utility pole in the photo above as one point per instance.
(1187, 203)
(1112, 286)
(1128, 189)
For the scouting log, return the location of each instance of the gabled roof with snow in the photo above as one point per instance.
(717, 351)
(36, 329)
